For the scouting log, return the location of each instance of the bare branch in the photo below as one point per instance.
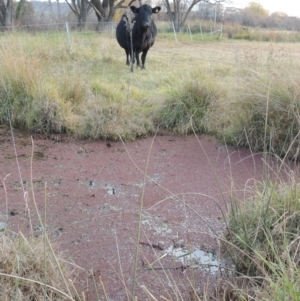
(94, 7)
(71, 7)
(179, 10)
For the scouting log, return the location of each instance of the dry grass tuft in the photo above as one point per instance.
(28, 271)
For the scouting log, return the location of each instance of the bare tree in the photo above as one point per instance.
(179, 10)
(81, 9)
(209, 11)
(6, 8)
(104, 9)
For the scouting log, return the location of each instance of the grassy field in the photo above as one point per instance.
(244, 93)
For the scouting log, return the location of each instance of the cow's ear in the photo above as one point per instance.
(156, 9)
(134, 9)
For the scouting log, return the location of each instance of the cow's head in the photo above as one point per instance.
(144, 12)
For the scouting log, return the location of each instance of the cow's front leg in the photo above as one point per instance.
(127, 57)
(144, 54)
(137, 59)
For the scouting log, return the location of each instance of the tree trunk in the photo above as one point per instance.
(9, 10)
(59, 12)
(2, 12)
(112, 11)
(83, 13)
(6, 13)
(99, 10)
(105, 11)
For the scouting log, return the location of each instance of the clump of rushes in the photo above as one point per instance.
(267, 119)
(263, 239)
(187, 105)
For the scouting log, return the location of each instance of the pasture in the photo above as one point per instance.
(243, 93)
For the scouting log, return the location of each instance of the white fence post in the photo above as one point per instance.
(69, 37)
(191, 36)
(174, 32)
(201, 32)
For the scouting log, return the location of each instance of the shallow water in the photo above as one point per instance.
(205, 260)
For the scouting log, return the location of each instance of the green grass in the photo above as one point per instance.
(263, 239)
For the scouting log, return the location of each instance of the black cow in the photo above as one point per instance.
(143, 33)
